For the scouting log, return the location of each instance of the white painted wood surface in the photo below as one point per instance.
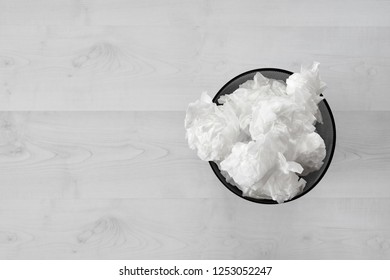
(93, 160)
(159, 55)
(125, 185)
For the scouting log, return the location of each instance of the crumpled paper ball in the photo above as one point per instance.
(210, 129)
(263, 135)
(247, 97)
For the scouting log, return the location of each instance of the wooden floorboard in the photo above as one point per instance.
(81, 155)
(99, 68)
(229, 228)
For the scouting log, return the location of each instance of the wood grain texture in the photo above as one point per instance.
(173, 12)
(93, 160)
(230, 228)
(165, 67)
(102, 185)
(81, 155)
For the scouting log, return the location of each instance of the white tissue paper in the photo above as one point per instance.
(263, 135)
(212, 130)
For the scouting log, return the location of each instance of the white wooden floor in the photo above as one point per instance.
(93, 160)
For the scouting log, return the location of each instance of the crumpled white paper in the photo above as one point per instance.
(263, 135)
(212, 130)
